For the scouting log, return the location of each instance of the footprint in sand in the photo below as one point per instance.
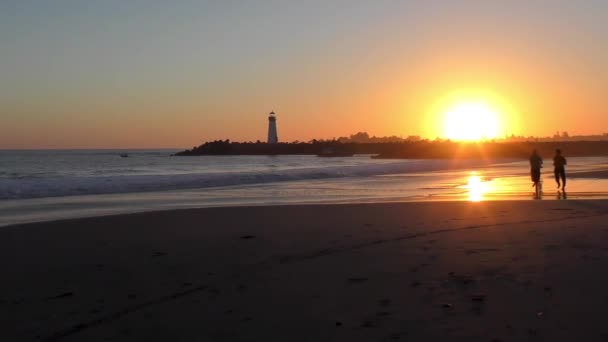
(357, 280)
(367, 324)
(384, 302)
(64, 295)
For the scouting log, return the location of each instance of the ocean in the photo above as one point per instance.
(55, 184)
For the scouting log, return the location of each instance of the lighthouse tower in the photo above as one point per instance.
(272, 129)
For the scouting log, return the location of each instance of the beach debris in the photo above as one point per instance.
(479, 297)
(465, 279)
(477, 309)
(396, 336)
(64, 295)
(367, 324)
(248, 237)
(447, 306)
(384, 302)
(540, 314)
(284, 258)
(357, 280)
(80, 326)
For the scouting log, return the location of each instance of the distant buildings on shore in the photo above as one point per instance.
(364, 137)
(558, 136)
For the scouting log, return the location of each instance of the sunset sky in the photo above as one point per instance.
(107, 74)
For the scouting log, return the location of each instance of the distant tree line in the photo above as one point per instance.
(419, 149)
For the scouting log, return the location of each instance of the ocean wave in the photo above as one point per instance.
(109, 184)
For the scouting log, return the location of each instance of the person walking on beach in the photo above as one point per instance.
(559, 163)
(536, 162)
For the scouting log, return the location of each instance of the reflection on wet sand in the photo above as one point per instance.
(476, 187)
(537, 193)
(490, 184)
(481, 187)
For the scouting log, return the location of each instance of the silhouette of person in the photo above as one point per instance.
(559, 163)
(536, 162)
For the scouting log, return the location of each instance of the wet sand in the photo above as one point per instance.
(596, 174)
(457, 271)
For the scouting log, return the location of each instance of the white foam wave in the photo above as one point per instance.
(11, 188)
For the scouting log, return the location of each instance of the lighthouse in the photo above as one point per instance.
(272, 129)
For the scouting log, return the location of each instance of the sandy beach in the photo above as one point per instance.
(457, 271)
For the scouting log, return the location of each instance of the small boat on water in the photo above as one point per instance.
(124, 155)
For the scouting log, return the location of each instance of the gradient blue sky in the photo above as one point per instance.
(173, 74)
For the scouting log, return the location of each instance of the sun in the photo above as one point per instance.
(471, 120)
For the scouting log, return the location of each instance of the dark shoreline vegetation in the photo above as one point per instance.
(407, 149)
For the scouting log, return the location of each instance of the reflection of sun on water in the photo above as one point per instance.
(476, 188)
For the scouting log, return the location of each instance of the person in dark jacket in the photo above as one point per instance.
(559, 163)
(536, 162)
